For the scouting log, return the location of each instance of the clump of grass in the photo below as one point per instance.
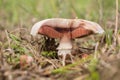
(92, 67)
(109, 37)
(15, 49)
(67, 68)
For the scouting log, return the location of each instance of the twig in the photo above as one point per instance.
(87, 48)
(8, 38)
(96, 47)
(1, 56)
(51, 63)
(100, 9)
(116, 22)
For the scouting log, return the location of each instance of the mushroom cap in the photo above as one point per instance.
(56, 27)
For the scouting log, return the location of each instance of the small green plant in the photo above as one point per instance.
(51, 54)
(109, 37)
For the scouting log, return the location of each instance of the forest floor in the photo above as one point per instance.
(96, 57)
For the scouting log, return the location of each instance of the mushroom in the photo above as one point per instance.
(65, 30)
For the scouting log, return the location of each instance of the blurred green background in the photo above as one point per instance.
(16, 13)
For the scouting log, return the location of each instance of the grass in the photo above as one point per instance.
(17, 18)
(67, 68)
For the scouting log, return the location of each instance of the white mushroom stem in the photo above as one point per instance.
(65, 47)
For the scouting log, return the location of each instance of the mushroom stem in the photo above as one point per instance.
(65, 47)
(65, 42)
